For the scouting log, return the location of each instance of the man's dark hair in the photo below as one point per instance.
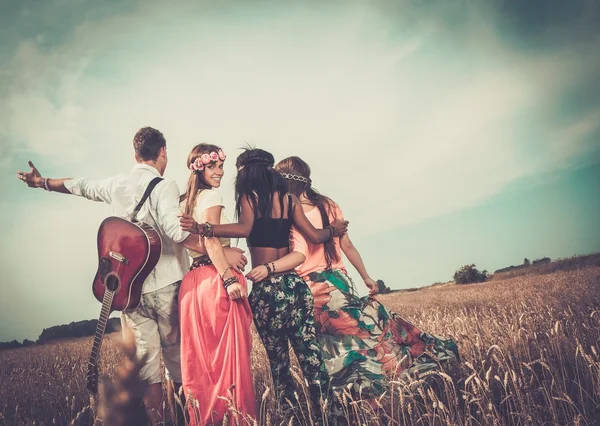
(147, 143)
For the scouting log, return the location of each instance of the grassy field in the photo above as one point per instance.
(529, 345)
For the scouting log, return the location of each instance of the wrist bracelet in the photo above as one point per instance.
(230, 281)
(330, 230)
(269, 271)
(46, 186)
(207, 230)
(273, 266)
(224, 272)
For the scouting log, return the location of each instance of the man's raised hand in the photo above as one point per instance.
(32, 178)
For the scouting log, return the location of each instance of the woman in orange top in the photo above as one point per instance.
(361, 341)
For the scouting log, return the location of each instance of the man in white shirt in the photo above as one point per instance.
(155, 321)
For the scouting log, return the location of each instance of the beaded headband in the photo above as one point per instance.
(298, 178)
(204, 159)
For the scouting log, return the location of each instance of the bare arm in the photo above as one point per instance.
(289, 261)
(283, 264)
(234, 256)
(355, 259)
(244, 226)
(216, 253)
(232, 230)
(196, 243)
(214, 249)
(312, 234)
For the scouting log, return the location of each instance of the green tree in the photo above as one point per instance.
(469, 274)
(382, 289)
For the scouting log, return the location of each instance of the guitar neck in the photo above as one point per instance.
(101, 327)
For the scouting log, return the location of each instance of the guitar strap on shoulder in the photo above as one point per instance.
(149, 189)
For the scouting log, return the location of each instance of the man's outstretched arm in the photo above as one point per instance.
(34, 179)
(95, 190)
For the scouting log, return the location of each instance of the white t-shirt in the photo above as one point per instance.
(206, 199)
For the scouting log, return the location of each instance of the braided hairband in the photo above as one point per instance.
(298, 178)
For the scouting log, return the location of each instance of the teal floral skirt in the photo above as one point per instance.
(363, 344)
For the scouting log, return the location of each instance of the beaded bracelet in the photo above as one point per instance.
(46, 185)
(230, 281)
(209, 232)
(205, 230)
(269, 270)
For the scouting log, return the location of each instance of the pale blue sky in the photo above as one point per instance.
(449, 132)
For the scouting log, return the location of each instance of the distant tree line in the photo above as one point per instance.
(67, 331)
(526, 264)
(16, 344)
(469, 274)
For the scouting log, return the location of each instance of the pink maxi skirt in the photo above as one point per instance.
(215, 350)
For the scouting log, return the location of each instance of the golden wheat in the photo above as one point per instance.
(530, 349)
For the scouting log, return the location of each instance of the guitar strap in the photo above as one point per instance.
(149, 189)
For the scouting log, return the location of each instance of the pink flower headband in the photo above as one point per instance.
(204, 159)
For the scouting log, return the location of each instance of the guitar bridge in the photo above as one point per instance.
(119, 257)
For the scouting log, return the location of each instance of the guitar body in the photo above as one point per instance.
(127, 253)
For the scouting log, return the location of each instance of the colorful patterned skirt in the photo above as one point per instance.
(215, 350)
(363, 344)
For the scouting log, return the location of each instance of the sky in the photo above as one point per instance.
(450, 133)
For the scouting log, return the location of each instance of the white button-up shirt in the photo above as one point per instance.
(160, 210)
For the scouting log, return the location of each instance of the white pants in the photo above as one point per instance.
(155, 325)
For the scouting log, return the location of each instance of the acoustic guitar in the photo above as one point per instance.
(128, 251)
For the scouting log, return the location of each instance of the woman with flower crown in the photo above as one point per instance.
(362, 342)
(214, 313)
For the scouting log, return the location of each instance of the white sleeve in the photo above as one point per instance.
(167, 209)
(95, 190)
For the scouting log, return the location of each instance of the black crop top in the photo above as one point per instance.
(271, 232)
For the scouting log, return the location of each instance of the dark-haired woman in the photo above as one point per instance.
(362, 342)
(214, 314)
(281, 301)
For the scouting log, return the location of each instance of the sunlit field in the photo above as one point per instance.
(529, 347)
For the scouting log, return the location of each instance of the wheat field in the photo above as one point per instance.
(529, 346)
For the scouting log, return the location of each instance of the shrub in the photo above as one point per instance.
(468, 274)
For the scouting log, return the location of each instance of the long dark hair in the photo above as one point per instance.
(257, 181)
(196, 180)
(299, 183)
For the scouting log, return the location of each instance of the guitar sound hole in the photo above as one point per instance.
(112, 282)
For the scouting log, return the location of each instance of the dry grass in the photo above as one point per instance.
(530, 348)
